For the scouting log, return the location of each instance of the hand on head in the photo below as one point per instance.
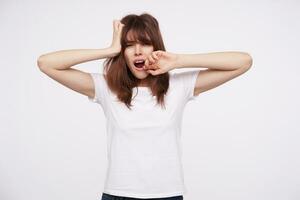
(117, 31)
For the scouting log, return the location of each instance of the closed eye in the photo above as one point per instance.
(143, 44)
(128, 44)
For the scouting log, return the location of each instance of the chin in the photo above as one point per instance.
(140, 74)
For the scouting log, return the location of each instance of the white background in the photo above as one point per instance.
(240, 140)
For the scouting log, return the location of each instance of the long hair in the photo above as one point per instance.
(119, 78)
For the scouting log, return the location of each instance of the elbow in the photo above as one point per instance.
(247, 60)
(40, 62)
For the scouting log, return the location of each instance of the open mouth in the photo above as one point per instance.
(139, 64)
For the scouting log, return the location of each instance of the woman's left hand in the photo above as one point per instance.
(159, 62)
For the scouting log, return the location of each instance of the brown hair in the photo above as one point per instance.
(119, 78)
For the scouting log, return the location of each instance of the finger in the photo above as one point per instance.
(150, 66)
(154, 72)
(154, 55)
(120, 29)
(121, 25)
(146, 65)
(115, 25)
(152, 61)
(151, 71)
(159, 53)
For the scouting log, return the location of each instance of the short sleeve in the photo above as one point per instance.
(98, 81)
(188, 80)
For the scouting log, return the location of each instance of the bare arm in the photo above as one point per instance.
(230, 60)
(57, 65)
(221, 66)
(65, 59)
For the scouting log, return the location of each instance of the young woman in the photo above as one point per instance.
(143, 102)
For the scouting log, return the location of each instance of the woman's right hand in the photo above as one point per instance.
(116, 43)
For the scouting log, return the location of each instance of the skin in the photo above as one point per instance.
(137, 50)
(221, 66)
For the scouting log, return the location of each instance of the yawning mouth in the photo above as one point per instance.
(139, 63)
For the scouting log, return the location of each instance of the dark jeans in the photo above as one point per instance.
(113, 197)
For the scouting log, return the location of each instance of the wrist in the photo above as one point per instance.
(178, 61)
(114, 50)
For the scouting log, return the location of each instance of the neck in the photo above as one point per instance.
(143, 83)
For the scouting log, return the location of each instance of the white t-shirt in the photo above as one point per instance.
(144, 145)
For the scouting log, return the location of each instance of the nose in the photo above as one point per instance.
(138, 49)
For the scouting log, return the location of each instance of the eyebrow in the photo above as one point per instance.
(131, 42)
(128, 41)
(136, 41)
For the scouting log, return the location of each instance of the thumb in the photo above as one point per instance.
(153, 72)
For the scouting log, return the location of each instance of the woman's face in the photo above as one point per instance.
(135, 55)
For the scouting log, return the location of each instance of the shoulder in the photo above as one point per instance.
(98, 76)
(184, 76)
(99, 80)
